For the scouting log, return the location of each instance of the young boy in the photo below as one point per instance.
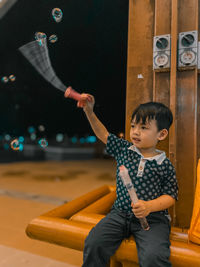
(154, 179)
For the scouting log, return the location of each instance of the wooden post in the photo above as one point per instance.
(177, 89)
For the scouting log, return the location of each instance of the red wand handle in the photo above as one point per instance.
(71, 93)
(81, 98)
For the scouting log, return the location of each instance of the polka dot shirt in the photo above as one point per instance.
(151, 177)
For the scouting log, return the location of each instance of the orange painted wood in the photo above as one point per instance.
(140, 32)
(187, 100)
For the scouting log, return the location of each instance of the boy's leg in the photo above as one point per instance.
(103, 240)
(153, 245)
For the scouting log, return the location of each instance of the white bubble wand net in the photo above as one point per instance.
(38, 55)
(124, 175)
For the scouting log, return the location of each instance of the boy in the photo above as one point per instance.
(154, 179)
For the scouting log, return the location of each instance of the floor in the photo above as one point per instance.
(29, 189)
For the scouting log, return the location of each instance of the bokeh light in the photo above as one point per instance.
(15, 144)
(43, 142)
(59, 137)
(4, 79)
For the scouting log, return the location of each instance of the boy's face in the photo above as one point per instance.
(146, 135)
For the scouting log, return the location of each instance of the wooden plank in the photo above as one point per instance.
(161, 80)
(186, 121)
(140, 33)
(173, 91)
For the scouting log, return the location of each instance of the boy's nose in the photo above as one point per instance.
(136, 131)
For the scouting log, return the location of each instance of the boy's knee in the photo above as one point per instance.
(152, 258)
(92, 240)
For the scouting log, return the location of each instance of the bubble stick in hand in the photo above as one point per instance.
(81, 98)
(131, 190)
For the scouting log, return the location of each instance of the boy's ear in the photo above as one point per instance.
(162, 134)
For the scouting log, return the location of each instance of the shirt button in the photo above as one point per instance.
(141, 168)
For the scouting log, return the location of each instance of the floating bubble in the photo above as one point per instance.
(12, 78)
(4, 79)
(43, 142)
(53, 38)
(15, 144)
(57, 14)
(40, 37)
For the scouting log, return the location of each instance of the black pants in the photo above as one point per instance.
(153, 245)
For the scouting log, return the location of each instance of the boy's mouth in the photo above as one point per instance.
(136, 139)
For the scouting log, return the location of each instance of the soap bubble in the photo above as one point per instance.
(43, 142)
(57, 14)
(53, 38)
(40, 37)
(12, 78)
(15, 144)
(4, 79)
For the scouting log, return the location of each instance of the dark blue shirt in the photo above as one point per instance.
(151, 177)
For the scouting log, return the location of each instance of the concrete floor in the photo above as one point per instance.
(29, 189)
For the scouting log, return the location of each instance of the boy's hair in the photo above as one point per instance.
(153, 111)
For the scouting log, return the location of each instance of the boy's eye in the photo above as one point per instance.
(132, 126)
(144, 127)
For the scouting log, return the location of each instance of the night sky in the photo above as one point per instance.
(90, 55)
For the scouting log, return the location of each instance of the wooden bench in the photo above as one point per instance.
(69, 224)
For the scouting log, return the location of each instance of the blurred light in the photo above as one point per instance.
(74, 139)
(31, 129)
(43, 142)
(15, 144)
(21, 147)
(82, 140)
(7, 137)
(91, 139)
(6, 146)
(33, 136)
(21, 139)
(41, 128)
(59, 137)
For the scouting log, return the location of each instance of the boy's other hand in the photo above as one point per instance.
(141, 209)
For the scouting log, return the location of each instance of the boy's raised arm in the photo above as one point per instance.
(98, 128)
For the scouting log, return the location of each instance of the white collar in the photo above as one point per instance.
(159, 158)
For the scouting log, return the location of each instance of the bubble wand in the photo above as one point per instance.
(38, 56)
(131, 190)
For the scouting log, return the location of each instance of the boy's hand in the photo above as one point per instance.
(141, 209)
(87, 102)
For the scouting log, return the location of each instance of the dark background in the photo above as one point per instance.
(90, 55)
